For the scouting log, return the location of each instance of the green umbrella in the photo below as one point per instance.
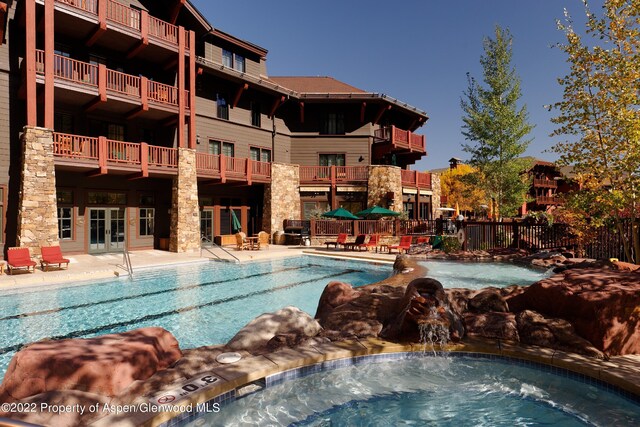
(377, 211)
(236, 225)
(340, 213)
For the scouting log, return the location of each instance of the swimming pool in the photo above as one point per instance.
(477, 275)
(443, 391)
(201, 304)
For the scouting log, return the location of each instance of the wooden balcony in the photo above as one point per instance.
(399, 138)
(548, 200)
(221, 168)
(333, 175)
(99, 156)
(545, 183)
(416, 179)
(115, 15)
(105, 83)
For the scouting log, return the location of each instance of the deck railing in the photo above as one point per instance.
(75, 146)
(123, 83)
(163, 93)
(416, 179)
(163, 30)
(400, 138)
(163, 156)
(334, 174)
(86, 5)
(123, 152)
(69, 69)
(124, 15)
(552, 183)
(548, 200)
(220, 166)
(261, 169)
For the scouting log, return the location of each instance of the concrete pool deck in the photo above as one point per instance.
(95, 267)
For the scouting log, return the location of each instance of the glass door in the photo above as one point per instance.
(106, 229)
(206, 226)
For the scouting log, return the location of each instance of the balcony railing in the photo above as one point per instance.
(130, 18)
(416, 179)
(333, 174)
(400, 138)
(235, 168)
(115, 81)
(548, 200)
(550, 183)
(102, 152)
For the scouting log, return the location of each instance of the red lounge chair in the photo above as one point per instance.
(359, 243)
(405, 244)
(373, 242)
(52, 255)
(19, 258)
(341, 240)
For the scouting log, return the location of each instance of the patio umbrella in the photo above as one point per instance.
(377, 211)
(340, 213)
(235, 222)
(457, 212)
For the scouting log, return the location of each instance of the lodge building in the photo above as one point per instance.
(137, 123)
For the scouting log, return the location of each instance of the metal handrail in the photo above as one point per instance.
(204, 238)
(126, 260)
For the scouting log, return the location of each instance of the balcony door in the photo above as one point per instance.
(106, 230)
(206, 226)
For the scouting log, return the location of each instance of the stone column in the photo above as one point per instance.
(384, 181)
(281, 197)
(435, 198)
(185, 210)
(37, 202)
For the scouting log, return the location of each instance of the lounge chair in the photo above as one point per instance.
(52, 255)
(341, 240)
(241, 241)
(374, 242)
(357, 244)
(19, 258)
(263, 239)
(404, 245)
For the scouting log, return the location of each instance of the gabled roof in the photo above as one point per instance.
(251, 47)
(311, 84)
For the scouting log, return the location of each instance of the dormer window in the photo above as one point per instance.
(233, 60)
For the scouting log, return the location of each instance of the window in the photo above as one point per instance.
(228, 149)
(233, 60)
(115, 132)
(333, 124)
(63, 122)
(147, 200)
(223, 107)
(314, 209)
(332, 159)
(260, 154)
(65, 223)
(256, 117)
(106, 198)
(227, 58)
(214, 147)
(147, 216)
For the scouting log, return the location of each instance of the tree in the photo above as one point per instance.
(600, 114)
(496, 127)
(458, 189)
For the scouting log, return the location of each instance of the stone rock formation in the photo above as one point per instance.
(287, 321)
(104, 365)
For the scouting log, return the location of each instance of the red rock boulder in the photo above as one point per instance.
(103, 365)
(602, 304)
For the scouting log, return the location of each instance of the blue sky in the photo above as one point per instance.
(418, 51)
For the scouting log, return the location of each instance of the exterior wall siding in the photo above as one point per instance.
(306, 150)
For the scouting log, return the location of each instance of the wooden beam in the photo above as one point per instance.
(363, 109)
(171, 121)
(171, 64)
(30, 48)
(276, 104)
(301, 112)
(102, 24)
(49, 46)
(236, 98)
(182, 143)
(381, 111)
(136, 50)
(192, 90)
(175, 11)
(136, 112)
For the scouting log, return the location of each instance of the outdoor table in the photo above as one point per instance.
(382, 248)
(253, 242)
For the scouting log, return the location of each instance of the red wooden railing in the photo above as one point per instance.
(400, 137)
(75, 146)
(163, 30)
(124, 15)
(548, 200)
(424, 179)
(352, 173)
(545, 183)
(261, 169)
(315, 174)
(416, 179)
(69, 69)
(123, 152)
(87, 5)
(208, 162)
(333, 174)
(163, 156)
(235, 165)
(163, 93)
(123, 83)
(222, 166)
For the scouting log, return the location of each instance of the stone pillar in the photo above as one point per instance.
(185, 210)
(435, 198)
(281, 197)
(37, 202)
(384, 181)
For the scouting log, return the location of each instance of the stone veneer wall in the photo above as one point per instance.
(435, 197)
(384, 180)
(37, 212)
(185, 211)
(281, 197)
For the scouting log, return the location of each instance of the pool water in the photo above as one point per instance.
(477, 275)
(201, 304)
(456, 391)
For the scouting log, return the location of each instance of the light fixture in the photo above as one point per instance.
(198, 139)
(360, 159)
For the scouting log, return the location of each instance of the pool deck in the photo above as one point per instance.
(95, 267)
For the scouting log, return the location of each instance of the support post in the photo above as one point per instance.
(30, 59)
(181, 94)
(49, 46)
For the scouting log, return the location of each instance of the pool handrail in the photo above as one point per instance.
(204, 238)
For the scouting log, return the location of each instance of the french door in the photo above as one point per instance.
(106, 229)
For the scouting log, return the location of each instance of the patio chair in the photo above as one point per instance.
(341, 240)
(241, 241)
(357, 244)
(374, 241)
(52, 255)
(263, 239)
(404, 245)
(19, 258)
